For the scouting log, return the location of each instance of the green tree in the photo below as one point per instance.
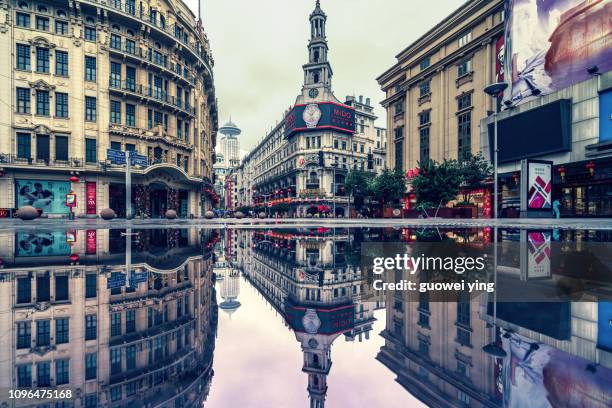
(389, 186)
(475, 169)
(357, 184)
(437, 183)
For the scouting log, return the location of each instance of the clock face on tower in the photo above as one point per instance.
(313, 93)
(311, 115)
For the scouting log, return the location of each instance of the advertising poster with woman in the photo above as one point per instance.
(46, 195)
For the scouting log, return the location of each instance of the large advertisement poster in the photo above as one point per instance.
(538, 375)
(539, 193)
(46, 195)
(317, 116)
(552, 43)
(30, 244)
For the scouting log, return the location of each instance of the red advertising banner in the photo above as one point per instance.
(90, 197)
(90, 242)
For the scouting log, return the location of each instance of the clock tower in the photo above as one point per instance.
(317, 72)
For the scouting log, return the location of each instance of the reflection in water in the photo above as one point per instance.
(129, 318)
(122, 318)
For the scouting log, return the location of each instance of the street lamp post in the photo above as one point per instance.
(494, 90)
(334, 186)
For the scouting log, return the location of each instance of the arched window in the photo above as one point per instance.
(61, 13)
(116, 28)
(315, 77)
(42, 9)
(316, 56)
(158, 46)
(23, 5)
(130, 33)
(90, 20)
(162, 21)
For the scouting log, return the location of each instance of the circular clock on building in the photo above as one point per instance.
(311, 115)
(311, 321)
(313, 93)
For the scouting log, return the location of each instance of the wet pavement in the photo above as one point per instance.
(289, 315)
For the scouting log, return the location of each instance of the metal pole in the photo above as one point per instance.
(495, 198)
(334, 188)
(128, 256)
(128, 187)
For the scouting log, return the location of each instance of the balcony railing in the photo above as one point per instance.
(6, 158)
(156, 20)
(154, 93)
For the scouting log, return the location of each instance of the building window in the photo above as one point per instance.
(424, 118)
(61, 27)
(90, 68)
(424, 347)
(24, 376)
(130, 78)
(91, 285)
(43, 374)
(130, 355)
(24, 287)
(463, 398)
(91, 366)
(24, 145)
(23, 100)
(399, 108)
(130, 321)
(43, 292)
(91, 400)
(116, 145)
(464, 123)
(61, 63)
(24, 335)
(42, 60)
(90, 34)
(115, 360)
(464, 101)
(61, 287)
(463, 369)
(42, 103)
(23, 57)
(130, 46)
(61, 105)
(23, 20)
(424, 89)
(464, 68)
(424, 144)
(399, 155)
(43, 333)
(62, 372)
(425, 62)
(115, 75)
(61, 148)
(130, 115)
(116, 324)
(62, 330)
(90, 109)
(42, 23)
(115, 112)
(465, 38)
(91, 151)
(115, 393)
(115, 41)
(91, 327)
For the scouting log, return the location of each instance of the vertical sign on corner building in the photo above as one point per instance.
(91, 242)
(90, 196)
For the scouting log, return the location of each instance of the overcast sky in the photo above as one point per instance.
(259, 47)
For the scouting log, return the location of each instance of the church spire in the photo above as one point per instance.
(317, 72)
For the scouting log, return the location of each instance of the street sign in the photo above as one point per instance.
(138, 277)
(138, 159)
(116, 280)
(115, 156)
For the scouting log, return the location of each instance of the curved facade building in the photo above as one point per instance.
(85, 77)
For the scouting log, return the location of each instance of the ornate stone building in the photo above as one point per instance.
(89, 76)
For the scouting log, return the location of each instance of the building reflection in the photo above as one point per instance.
(120, 318)
(553, 314)
(306, 276)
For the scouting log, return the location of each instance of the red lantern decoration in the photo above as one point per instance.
(561, 171)
(74, 179)
(74, 258)
(591, 167)
(515, 177)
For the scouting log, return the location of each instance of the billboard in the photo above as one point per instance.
(46, 195)
(551, 43)
(30, 244)
(538, 375)
(319, 116)
(537, 186)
